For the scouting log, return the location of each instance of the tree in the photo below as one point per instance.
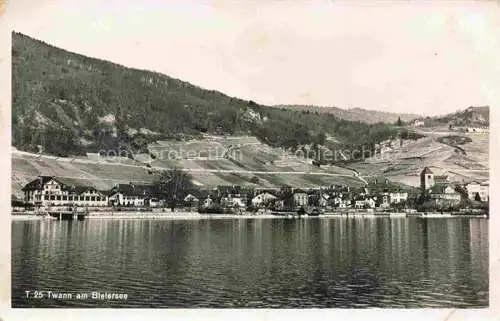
(286, 194)
(477, 197)
(399, 122)
(320, 138)
(250, 196)
(314, 199)
(171, 184)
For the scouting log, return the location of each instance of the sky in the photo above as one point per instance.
(427, 58)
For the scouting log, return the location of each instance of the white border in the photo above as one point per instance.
(6, 313)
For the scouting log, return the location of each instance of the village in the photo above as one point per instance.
(436, 195)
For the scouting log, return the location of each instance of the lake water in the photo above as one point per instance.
(252, 263)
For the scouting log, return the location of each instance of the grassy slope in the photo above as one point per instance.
(354, 114)
(58, 89)
(253, 154)
(404, 165)
(72, 104)
(104, 176)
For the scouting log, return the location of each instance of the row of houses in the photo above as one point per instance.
(54, 191)
(441, 191)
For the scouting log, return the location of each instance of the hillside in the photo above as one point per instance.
(353, 114)
(250, 163)
(470, 117)
(464, 157)
(73, 106)
(70, 104)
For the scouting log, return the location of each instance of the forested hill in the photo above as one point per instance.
(354, 114)
(472, 116)
(72, 104)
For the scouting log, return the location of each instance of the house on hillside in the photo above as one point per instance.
(444, 195)
(229, 191)
(133, 195)
(397, 197)
(263, 199)
(417, 123)
(190, 200)
(300, 197)
(383, 200)
(324, 199)
(233, 201)
(341, 201)
(207, 201)
(428, 179)
(364, 202)
(478, 129)
(232, 195)
(55, 191)
(441, 179)
(476, 190)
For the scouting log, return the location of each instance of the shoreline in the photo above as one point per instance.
(196, 216)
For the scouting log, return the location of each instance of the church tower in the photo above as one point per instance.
(426, 179)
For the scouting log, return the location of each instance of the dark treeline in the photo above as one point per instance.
(59, 100)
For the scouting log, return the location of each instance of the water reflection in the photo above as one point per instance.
(338, 262)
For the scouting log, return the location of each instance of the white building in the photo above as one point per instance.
(300, 198)
(385, 199)
(56, 191)
(477, 129)
(191, 199)
(233, 201)
(324, 199)
(262, 199)
(444, 194)
(132, 195)
(418, 123)
(208, 202)
(474, 189)
(364, 203)
(398, 197)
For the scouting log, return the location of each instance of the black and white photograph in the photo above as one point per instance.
(250, 154)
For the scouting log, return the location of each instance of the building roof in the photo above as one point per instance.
(440, 188)
(229, 189)
(72, 185)
(133, 190)
(442, 178)
(265, 193)
(37, 183)
(199, 194)
(400, 191)
(190, 194)
(426, 170)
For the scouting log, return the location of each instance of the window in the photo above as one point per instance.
(92, 198)
(64, 198)
(52, 197)
(58, 197)
(87, 198)
(82, 198)
(97, 198)
(46, 197)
